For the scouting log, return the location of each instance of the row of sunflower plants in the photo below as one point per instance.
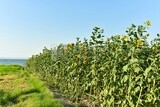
(120, 71)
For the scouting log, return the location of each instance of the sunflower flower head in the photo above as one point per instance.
(125, 38)
(139, 42)
(78, 55)
(148, 23)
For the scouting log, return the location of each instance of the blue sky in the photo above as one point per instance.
(26, 26)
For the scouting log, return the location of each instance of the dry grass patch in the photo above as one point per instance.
(7, 77)
(11, 82)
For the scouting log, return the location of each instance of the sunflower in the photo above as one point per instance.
(148, 23)
(139, 42)
(78, 55)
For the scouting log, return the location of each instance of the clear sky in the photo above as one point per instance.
(26, 26)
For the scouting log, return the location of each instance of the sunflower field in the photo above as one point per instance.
(120, 71)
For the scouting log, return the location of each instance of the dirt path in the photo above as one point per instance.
(65, 101)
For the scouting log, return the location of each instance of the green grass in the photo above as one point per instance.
(18, 88)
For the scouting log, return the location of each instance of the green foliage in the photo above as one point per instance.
(121, 71)
(3, 97)
(5, 69)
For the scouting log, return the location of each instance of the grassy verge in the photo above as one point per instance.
(18, 88)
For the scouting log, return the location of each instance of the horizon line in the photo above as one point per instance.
(13, 58)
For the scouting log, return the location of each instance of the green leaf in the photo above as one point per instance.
(102, 68)
(147, 71)
(137, 69)
(134, 60)
(125, 78)
(137, 89)
(99, 36)
(149, 98)
(149, 80)
(125, 67)
(119, 102)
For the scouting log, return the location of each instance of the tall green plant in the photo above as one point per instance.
(121, 71)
